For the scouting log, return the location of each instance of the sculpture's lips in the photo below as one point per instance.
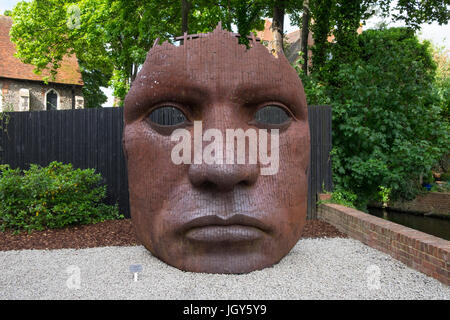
(215, 228)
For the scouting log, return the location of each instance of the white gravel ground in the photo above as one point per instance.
(314, 269)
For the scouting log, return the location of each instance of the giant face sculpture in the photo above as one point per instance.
(216, 218)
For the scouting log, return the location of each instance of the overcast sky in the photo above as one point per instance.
(439, 35)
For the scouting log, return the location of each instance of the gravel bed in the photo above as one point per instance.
(113, 233)
(327, 268)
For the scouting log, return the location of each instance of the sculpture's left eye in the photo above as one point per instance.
(167, 116)
(272, 115)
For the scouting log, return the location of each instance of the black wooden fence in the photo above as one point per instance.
(320, 175)
(92, 138)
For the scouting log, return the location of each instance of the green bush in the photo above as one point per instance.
(445, 176)
(442, 85)
(428, 178)
(345, 198)
(55, 196)
(388, 128)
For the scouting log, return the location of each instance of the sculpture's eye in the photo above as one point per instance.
(167, 116)
(272, 115)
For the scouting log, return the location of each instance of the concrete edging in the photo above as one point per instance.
(416, 249)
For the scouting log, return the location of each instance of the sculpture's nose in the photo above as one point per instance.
(223, 177)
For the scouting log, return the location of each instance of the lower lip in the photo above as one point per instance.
(232, 233)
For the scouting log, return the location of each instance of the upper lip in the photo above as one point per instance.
(238, 219)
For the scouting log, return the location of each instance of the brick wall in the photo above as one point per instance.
(432, 202)
(418, 250)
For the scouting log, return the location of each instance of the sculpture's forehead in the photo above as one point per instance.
(217, 60)
(214, 68)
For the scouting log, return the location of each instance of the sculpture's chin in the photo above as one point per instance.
(234, 265)
(235, 255)
(226, 263)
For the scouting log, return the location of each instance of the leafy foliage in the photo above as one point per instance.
(415, 12)
(51, 197)
(342, 197)
(315, 89)
(321, 11)
(247, 15)
(111, 38)
(92, 93)
(43, 37)
(442, 80)
(390, 108)
(345, 198)
(342, 18)
(387, 128)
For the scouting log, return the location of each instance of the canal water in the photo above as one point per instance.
(435, 226)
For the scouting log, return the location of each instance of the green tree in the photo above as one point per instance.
(442, 80)
(306, 19)
(416, 12)
(321, 12)
(342, 18)
(109, 37)
(248, 17)
(93, 80)
(112, 37)
(43, 36)
(378, 143)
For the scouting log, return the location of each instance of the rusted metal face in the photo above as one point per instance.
(216, 218)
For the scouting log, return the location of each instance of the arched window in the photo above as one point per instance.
(52, 100)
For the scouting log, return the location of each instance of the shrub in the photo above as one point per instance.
(388, 128)
(442, 58)
(445, 176)
(344, 198)
(55, 196)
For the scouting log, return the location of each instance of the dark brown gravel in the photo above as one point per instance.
(113, 233)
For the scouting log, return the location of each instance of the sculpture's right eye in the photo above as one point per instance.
(167, 115)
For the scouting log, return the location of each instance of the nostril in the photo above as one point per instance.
(245, 183)
(208, 185)
(212, 186)
(222, 178)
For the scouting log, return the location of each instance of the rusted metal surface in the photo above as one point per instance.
(186, 37)
(200, 35)
(216, 218)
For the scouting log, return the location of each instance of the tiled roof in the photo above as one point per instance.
(11, 67)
